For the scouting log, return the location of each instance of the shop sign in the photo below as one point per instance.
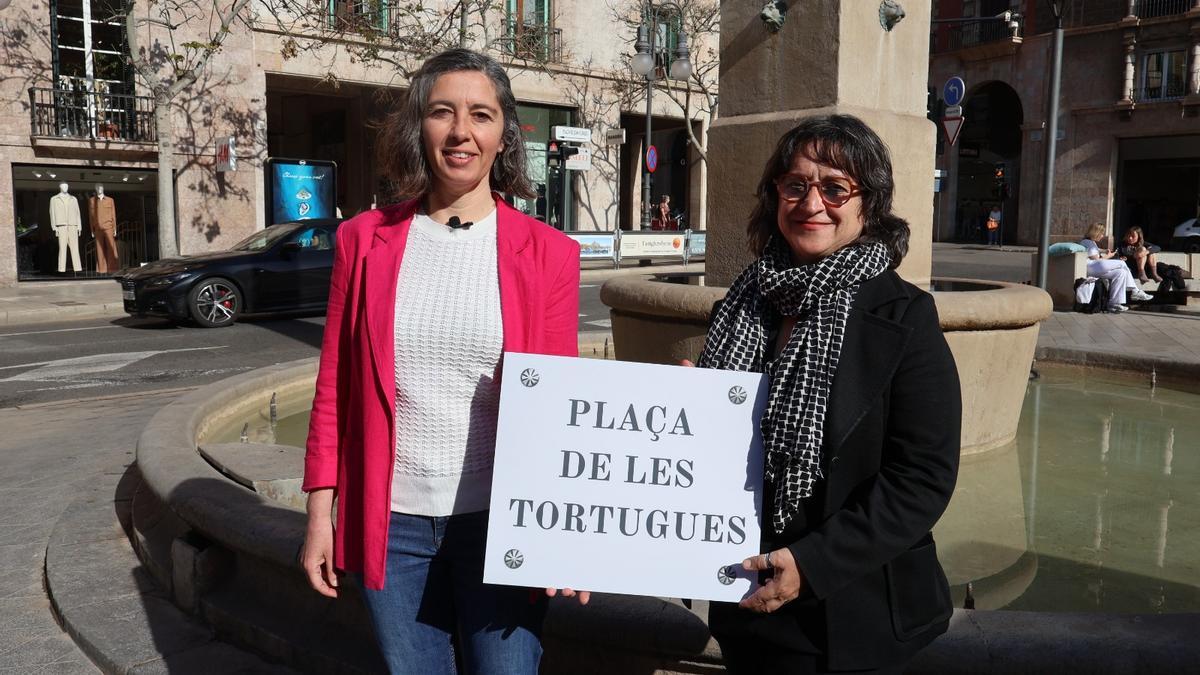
(580, 161)
(614, 137)
(645, 245)
(227, 154)
(601, 466)
(573, 134)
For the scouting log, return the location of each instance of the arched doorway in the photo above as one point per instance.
(989, 161)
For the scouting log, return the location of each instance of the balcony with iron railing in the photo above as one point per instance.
(1171, 89)
(90, 115)
(955, 37)
(1150, 9)
(532, 42)
(1078, 13)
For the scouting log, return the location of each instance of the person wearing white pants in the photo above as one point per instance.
(1102, 265)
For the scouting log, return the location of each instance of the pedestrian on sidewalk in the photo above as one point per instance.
(994, 218)
(424, 297)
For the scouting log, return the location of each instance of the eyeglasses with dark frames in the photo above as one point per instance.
(833, 192)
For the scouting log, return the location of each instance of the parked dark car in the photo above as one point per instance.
(284, 267)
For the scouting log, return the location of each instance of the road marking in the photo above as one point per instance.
(589, 285)
(68, 369)
(603, 323)
(60, 330)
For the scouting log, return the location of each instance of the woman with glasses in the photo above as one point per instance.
(861, 426)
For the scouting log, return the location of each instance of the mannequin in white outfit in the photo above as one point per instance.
(64, 218)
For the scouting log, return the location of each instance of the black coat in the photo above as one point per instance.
(874, 592)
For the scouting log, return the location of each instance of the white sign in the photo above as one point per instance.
(227, 154)
(953, 111)
(951, 126)
(580, 161)
(535, 161)
(614, 137)
(626, 478)
(652, 244)
(573, 134)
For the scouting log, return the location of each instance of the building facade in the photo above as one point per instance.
(1128, 147)
(289, 88)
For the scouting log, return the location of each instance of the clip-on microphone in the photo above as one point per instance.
(456, 224)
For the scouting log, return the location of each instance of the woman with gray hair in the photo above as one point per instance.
(425, 296)
(861, 424)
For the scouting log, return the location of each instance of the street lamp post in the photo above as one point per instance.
(644, 61)
(1051, 145)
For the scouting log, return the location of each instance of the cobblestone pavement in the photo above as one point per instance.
(47, 452)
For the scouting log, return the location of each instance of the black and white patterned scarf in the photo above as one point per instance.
(819, 295)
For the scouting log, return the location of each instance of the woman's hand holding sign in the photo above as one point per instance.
(583, 596)
(783, 586)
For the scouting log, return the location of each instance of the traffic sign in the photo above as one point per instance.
(573, 134)
(954, 91)
(651, 159)
(952, 111)
(951, 126)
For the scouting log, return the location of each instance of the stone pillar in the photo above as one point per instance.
(1194, 76)
(829, 57)
(1127, 86)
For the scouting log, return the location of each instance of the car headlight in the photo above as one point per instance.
(158, 282)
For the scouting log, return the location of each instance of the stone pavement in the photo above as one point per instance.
(48, 454)
(63, 471)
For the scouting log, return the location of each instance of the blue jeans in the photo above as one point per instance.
(434, 603)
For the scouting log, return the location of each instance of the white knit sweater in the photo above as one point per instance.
(448, 339)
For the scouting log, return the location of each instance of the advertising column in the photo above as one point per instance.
(299, 189)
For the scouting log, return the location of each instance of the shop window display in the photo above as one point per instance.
(82, 222)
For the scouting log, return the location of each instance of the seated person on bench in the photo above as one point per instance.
(1140, 255)
(1101, 265)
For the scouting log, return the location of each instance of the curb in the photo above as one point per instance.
(53, 314)
(110, 605)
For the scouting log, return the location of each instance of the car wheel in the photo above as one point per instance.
(1193, 245)
(215, 302)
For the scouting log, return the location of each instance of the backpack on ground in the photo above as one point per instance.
(1172, 277)
(1091, 295)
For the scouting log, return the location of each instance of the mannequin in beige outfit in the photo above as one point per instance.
(64, 218)
(102, 218)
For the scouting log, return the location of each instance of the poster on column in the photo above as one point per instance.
(624, 477)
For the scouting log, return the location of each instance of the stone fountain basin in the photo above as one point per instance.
(228, 553)
(221, 525)
(991, 328)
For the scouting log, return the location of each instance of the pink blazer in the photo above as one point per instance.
(351, 432)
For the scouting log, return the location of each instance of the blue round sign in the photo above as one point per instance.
(954, 90)
(651, 159)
